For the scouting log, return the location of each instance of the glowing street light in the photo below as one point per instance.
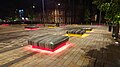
(33, 6)
(58, 14)
(59, 4)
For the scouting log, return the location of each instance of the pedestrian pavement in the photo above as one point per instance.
(95, 50)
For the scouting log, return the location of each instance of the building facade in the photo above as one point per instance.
(64, 11)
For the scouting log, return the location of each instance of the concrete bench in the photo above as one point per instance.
(31, 27)
(76, 31)
(48, 42)
(87, 29)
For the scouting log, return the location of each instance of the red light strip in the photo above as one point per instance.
(5, 24)
(31, 28)
(39, 24)
(57, 50)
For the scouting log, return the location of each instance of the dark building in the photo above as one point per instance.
(66, 11)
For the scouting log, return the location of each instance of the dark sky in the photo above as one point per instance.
(18, 3)
(7, 6)
(15, 3)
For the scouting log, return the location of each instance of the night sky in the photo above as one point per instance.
(7, 7)
(15, 3)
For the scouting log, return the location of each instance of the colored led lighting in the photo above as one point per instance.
(90, 31)
(52, 27)
(77, 35)
(59, 49)
(85, 35)
(5, 24)
(31, 28)
(39, 24)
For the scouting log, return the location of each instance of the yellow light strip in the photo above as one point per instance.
(51, 27)
(90, 31)
(77, 35)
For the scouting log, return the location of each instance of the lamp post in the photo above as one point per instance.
(34, 14)
(43, 5)
(58, 15)
(100, 18)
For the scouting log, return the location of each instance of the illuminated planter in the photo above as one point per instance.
(76, 31)
(87, 29)
(48, 42)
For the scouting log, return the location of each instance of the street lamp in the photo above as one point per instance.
(58, 15)
(33, 7)
(59, 4)
(43, 5)
(100, 18)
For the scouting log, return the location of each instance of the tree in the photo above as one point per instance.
(112, 12)
(87, 16)
(31, 16)
(110, 7)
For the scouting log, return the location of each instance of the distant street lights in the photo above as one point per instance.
(21, 13)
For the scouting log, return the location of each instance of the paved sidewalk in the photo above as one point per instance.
(96, 50)
(10, 28)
